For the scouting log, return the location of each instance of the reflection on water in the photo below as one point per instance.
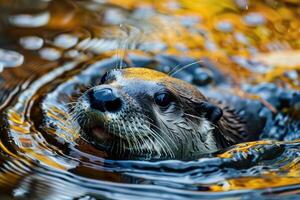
(31, 42)
(23, 20)
(11, 58)
(51, 50)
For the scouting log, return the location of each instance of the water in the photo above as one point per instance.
(51, 51)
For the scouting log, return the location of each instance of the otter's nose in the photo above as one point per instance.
(104, 100)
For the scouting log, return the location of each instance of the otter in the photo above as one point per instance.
(139, 113)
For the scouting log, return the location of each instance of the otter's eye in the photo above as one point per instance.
(104, 77)
(163, 99)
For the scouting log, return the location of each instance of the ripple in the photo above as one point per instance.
(98, 45)
(42, 154)
(59, 161)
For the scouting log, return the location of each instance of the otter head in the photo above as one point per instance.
(145, 114)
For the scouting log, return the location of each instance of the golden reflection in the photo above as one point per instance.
(232, 33)
(267, 181)
(46, 160)
(217, 29)
(244, 147)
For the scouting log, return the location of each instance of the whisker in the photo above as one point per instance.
(184, 67)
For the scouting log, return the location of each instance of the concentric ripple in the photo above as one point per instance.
(51, 61)
(49, 158)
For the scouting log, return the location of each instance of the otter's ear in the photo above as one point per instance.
(211, 112)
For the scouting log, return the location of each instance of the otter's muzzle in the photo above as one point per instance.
(104, 100)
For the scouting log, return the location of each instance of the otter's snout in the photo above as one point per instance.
(104, 99)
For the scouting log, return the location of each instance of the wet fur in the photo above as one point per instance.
(141, 130)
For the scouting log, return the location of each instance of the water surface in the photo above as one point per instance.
(51, 51)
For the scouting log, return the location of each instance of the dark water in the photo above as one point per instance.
(244, 52)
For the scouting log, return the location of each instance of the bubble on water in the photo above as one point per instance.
(10, 58)
(254, 19)
(29, 21)
(50, 54)
(31, 42)
(224, 26)
(65, 41)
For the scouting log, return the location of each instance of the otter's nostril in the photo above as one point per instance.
(104, 100)
(113, 106)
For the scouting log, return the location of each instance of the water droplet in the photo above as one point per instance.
(50, 54)
(29, 21)
(66, 41)
(31, 42)
(10, 58)
(254, 19)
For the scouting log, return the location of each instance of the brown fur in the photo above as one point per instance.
(184, 129)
